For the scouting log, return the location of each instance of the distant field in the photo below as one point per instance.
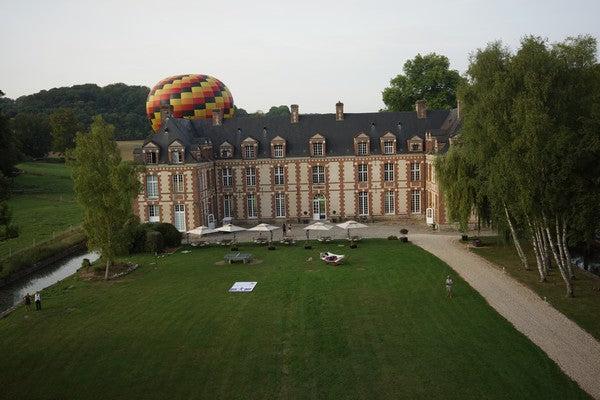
(126, 147)
(43, 204)
(377, 327)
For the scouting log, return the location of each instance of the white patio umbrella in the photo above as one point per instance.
(201, 230)
(351, 225)
(230, 228)
(264, 228)
(317, 226)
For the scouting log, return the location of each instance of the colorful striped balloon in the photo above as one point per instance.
(191, 96)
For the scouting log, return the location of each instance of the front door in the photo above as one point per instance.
(319, 207)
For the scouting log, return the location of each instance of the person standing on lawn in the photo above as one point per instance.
(38, 301)
(449, 286)
(27, 299)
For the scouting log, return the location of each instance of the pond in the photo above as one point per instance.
(14, 293)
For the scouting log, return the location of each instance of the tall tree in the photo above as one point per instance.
(277, 111)
(426, 77)
(33, 134)
(530, 133)
(105, 186)
(64, 126)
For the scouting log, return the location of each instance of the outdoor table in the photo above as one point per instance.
(325, 239)
(260, 240)
(226, 242)
(244, 257)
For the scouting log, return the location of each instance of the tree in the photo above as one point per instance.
(8, 148)
(64, 128)
(33, 134)
(277, 111)
(530, 137)
(425, 77)
(239, 112)
(105, 186)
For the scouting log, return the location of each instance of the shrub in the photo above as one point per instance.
(138, 238)
(392, 237)
(154, 242)
(404, 231)
(171, 236)
(85, 263)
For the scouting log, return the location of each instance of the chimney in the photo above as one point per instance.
(166, 111)
(421, 107)
(294, 115)
(217, 117)
(339, 111)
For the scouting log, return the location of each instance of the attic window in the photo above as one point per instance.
(361, 148)
(151, 157)
(177, 157)
(225, 153)
(249, 151)
(415, 146)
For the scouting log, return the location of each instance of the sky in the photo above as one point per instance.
(305, 52)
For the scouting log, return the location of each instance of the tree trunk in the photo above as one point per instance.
(520, 251)
(106, 270)
(537, 250)
(565, 250)
(559, 261)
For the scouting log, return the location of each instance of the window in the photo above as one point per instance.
(151, 157)
(178, 183)
(415, 171)
(415, 201)
(363, 203)
(252, 212)
(389, 206)
(279, 205)
(317, 148)
(180, 217)
(363, 175)
(228, 206)
(278, 151)
(361, 148)
(249, 152)
(201, 180)
(318, 174)
(225, 153)
(388, 172)
(153, 213)
(415, 146)
(177, 157)
(388, 147)
(251, 176)
(152, 186)
(227, 177)
(279, 177)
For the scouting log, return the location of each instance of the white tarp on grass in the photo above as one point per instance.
(243, 287)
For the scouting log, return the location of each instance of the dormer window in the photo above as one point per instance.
(278, 151)
(150, 151)
(415, 144)
(361, 144)
(388, 143)
(176, 152)
(388, 147)
(249, 148)
(226, 150)
(317, 146)
(278, 147)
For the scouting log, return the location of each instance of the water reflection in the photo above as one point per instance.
(14, 293)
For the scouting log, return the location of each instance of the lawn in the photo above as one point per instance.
(43, 204)
(583, 309)
(126, 148)
(377, 327)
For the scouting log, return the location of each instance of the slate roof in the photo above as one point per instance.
(339, 135)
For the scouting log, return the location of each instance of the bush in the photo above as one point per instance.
(86, 263)
(392, 237)
(171, 236)
(154, 242)
(138, 238)
(404, 231)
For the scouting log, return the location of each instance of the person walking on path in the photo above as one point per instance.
(284, 229)
(27, 299)
(38, 301)
(449, 286)
(289, 229)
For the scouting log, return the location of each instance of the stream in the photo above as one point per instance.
(14, 293)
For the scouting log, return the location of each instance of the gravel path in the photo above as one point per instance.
(575, 351)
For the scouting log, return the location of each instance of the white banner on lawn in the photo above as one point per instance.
(243, 287)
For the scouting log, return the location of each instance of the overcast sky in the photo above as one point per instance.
(312, 53)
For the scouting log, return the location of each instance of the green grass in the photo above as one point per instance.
(43, 205)
(377, 327)
(583, 309)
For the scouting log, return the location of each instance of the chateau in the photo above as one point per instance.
(297, 168)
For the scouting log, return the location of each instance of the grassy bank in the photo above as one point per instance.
(44, 208)
(583, 309)
(378, 327)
